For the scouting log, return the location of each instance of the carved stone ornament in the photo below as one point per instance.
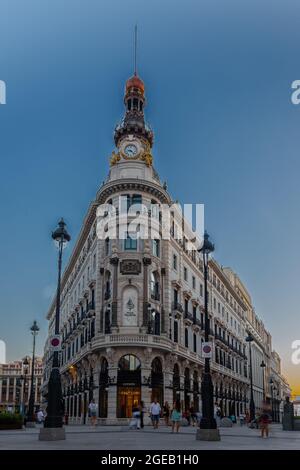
(130, 266)
(115, 158)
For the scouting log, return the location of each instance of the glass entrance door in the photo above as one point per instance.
(128, 397)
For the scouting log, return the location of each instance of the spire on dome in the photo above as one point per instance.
(135, 101)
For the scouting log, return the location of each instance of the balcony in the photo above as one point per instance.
(91, 309)
(177, 307)
(197, 324)
(188, 317)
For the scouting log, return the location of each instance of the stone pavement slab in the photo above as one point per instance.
(121, 438)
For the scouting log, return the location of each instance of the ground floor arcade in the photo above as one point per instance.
(120, 378)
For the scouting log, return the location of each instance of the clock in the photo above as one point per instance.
(130, 150)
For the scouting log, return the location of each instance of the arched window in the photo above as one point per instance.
(129, 362)
(156, 366)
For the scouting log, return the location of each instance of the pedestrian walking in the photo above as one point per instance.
(264, 421)
(136, 417)
(166, 413)
(217, 414)
(40, 416)
(176, 416)
(193, 415)
(242, 419)
(155, 411)
(93, 408)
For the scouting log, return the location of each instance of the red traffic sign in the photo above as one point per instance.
(207, 350)
(55, 342)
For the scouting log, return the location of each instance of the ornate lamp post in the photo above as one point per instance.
(249, 340)
(30, 422)
(208, 430)
(53, 426)
(263, 366)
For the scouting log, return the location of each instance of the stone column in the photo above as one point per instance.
(112, 397)
(112, 389)
(146, 392)
(168, 390)
(162, 291)
(14, 389)
(146, 262)
(182, 393)
(101, 301)
(114, 305)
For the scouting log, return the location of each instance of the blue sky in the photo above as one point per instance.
(218, 80)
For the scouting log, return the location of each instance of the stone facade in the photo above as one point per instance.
(15, 384)
(132, 311)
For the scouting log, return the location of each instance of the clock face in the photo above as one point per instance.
(130, 150)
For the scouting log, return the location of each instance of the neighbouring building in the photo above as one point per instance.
(15, 384)
(132, 310)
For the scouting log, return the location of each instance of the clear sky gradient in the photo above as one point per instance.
(218, 80)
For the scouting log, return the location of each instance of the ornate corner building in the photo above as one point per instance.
(132, 316)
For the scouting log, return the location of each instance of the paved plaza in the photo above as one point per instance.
(121, 438)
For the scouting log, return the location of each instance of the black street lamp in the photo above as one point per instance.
(53, 426)
(249, 340)
(208, 427)
(30, 421)
(263, 366)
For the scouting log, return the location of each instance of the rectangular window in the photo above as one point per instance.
(130, 243)
(201, 290)
(194, 313)
(175, 262)
(194, 282)
(107, 246)
(185, 274)
(186, 337)
(175, 331)
(154, 209)
(136, 199)
(195, 343)
(155, 247)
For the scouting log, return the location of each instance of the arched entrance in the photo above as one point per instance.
(103, 384)
(129, 385)
(176, 383)
(157, 381)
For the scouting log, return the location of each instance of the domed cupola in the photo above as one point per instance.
(134, 120)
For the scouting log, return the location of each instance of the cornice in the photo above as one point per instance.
(116, 186)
